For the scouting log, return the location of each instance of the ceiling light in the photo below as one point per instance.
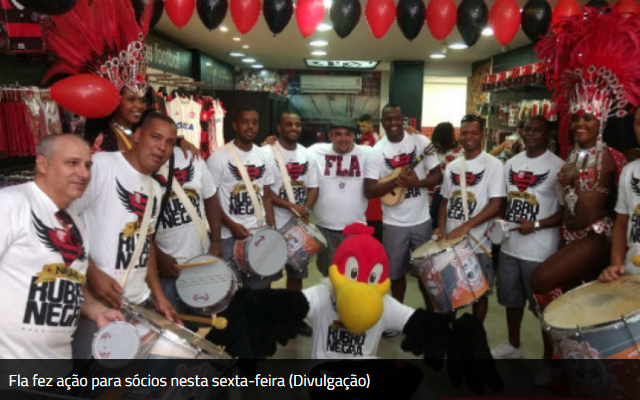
(437, 55)
(245, 46)
(236, 39)
(319, 43)
(249, 60)
(257, 66)
(319, 53)
(327, 3)
(236, 54)
(323, 27)
(487, 31)
(458, 46)
(209, 64)
(224, 29)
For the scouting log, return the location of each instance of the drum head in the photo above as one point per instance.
(267, 252)
(115, 342)
(207, 285)
(594, 304)
(498, 231)
(434, 247)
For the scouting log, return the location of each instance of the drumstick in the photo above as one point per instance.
(197, 263)
(219, 323)
(478, 244)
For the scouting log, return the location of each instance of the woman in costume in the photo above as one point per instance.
(595, 76)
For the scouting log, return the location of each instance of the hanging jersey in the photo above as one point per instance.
(186, 114)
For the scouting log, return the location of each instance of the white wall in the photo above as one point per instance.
(444, 99)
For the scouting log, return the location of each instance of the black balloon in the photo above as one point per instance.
(410, 16)
(277, 14)
(536, 18)
(345, 15)
(597, 3)
(473, 16)
(51, 7)
(212, 12)
(158, 8)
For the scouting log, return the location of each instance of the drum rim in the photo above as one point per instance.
(464, 238)
(279, 237)
(230, 290)
(593, 327)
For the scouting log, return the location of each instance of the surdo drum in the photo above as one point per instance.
(450, 272)
(263, 253)
(303, 242)
(207, 289)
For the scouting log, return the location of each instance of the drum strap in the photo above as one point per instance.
(286, 179)
(258, 209)
(142, 235)
(463, 188)
(198, 222)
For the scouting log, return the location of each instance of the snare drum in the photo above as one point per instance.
(498, 231)
(450, 272)
(598, 321)
(147, 334)
(303, 242)
(263, 253)
(207, 289)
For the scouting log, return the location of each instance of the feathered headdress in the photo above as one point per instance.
(101, 37)
(594, 63)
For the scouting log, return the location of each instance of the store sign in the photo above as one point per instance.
(168, 57)
(342, 64)
(219, 75)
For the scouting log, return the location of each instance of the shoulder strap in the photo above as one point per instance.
(286, 179)
(167, 192)
(257, 205)
(463, 188)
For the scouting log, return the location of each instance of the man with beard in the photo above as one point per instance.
(485, 193)
(239, 214)
(119, 209)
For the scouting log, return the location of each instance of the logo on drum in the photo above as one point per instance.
(261, 238)
(471, 272)
(294, 242)
(525, 179)
(198, 298)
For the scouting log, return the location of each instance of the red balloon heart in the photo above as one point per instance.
(309, 14)
(245, 14)
(87, 95)
(504, 19)
(441, 18)
(380, 15)
(627, 7)
(565, 9)
(180, 11)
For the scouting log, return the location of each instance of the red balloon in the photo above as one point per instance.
(627, 7)
(180, 11)
(309, 14)
(504, 19)
(565, 9)
(380, 15)
(87, 95)
(441, 18)
(245, 14)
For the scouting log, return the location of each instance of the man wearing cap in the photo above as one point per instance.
(339, 171)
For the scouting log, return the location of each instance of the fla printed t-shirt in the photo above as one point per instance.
(233, 195)
(112, 208)
(297, 165)
(340, 179)
(385, 157)
(533, 193)
(43, 262)
(177, 234)
(186, 114)
(485, 180)
(332, 340)
(628, 203)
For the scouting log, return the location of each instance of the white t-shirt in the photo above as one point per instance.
(340, 179)
(177, 234)
(485, 180)
(628, 203)
(112, 208)
(43, 265)
(297, 165)
(533, 193)
(332, 340)
(233, 195)
(385, 157)
(186, 114)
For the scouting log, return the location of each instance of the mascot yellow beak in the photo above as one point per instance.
(359, 305)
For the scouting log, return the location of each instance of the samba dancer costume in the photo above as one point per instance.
(102, 37)
(595, 72)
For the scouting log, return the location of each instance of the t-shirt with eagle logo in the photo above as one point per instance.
(628, 203)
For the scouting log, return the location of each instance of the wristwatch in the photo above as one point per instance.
(536, 226)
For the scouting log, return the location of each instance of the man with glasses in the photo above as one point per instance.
(485, 191)
(407, 225)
